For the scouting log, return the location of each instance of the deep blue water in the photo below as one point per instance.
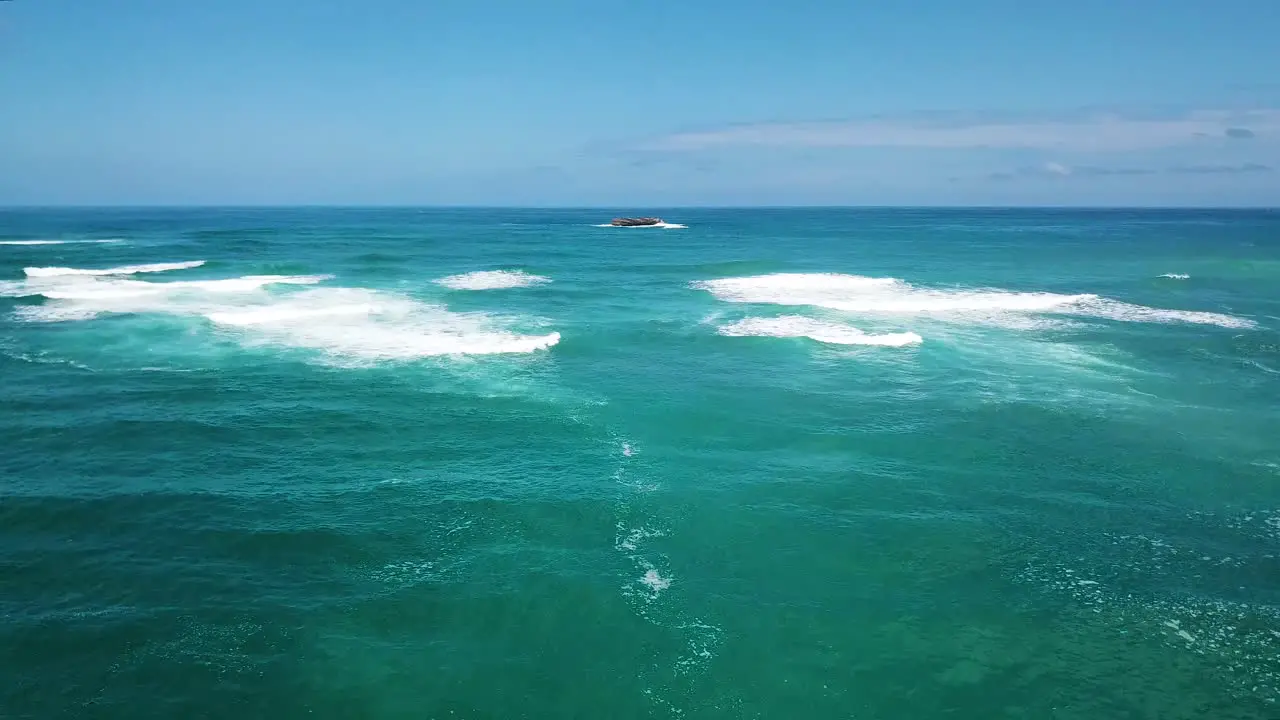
(506, 464)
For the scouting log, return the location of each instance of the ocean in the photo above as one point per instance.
(485, 463)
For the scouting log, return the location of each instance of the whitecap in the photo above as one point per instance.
(123, 270)
(861, 295)
(348, 325)
(1176, 276)
(492, 280)
(118, 295)
(793, 326)
(1094, 306)
(366, 325)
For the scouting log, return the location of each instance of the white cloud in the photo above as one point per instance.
(1059, 170)
(1101, 132)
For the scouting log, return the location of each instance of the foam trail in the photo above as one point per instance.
(350, 325)
(1094, 306)
(55, 242)
(83, 297)
(276, 314)
(790, 326)
(108, 290)
(10, 288)
(1176, 276)
(366, 325)
(492, 280)
(124, 270)
(860, 295)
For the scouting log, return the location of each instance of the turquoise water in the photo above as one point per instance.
(773, 464)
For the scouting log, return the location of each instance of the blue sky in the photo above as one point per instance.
(697, 102)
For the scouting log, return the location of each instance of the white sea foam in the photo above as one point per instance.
(292, 311)
(633, 538)
(369, 325)
(1094, 306)
(142, 296)
(492, 280)
(345, 324)
(654, 581)
(1176, 276)
(55, 242)
(1263, 368)
(859, 295)
(83, 297)
(790, 326)
(124, 270)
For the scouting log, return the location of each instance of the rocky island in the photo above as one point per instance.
(636, 221)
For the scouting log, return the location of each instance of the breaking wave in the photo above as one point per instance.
(345, 324)
(859, 295)
(1176, 276)
(134, 296)
(371, 325)
(492, 280)
(123, 270)
(790, 326)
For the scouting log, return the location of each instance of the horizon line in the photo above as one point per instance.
(398, 206)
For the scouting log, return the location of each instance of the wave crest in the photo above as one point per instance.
(367, 325)
(113, 295)
(793, 326)
(123, 270)
(492, 280)
(860, 295)
(347, 325)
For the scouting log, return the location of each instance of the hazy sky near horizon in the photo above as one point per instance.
(640, 104)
